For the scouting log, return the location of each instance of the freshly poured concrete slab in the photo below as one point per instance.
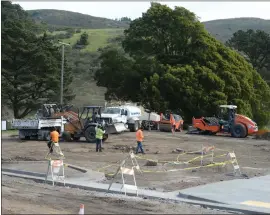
(254, 192)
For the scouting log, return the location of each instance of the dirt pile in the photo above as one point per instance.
(124, 148)
(263, 135)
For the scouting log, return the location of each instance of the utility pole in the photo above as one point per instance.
(62, 72)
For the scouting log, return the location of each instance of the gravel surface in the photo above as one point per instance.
(25, 196)
(253, 157)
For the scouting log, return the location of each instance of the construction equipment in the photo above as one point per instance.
(83, 124)
(123, 117)
(165, 124)
(150, 120)
(228, 122)
(162, 122)
(40, 127)
(70, 125)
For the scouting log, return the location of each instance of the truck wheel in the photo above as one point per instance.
(105, 137)
(90, 134)
(239, 131)
(76, 138)
(135, 126)
(66, 136)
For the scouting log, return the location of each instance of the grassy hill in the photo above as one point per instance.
(101, 30)
(223, 29)
(98, 38)
(71, 19)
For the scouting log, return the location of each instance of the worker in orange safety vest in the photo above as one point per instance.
(172, 121)
(139, 138)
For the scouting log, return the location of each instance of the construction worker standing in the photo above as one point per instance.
(99, 137)
(54, 142)
(139, 138)
(172, 121)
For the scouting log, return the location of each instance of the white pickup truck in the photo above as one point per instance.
(38, 128)
(127, 117)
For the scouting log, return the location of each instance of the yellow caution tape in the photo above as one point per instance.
(172, 162)
(175, 170)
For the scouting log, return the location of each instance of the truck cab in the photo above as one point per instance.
(123, 117)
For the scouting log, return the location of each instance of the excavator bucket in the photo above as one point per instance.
(116, 128)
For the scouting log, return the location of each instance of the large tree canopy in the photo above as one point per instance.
(31, 65)
(255, 46)
(169, 61)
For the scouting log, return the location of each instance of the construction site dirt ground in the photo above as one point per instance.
(21, 196)
(253, 157)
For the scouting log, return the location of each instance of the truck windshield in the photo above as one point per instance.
(112, 110)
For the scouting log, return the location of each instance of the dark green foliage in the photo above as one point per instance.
(255, 46)
(30, 64)
(169, 61)
(83, 39)
(124, 19)
(72, 19)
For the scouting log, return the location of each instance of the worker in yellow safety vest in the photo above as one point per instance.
(99, 137)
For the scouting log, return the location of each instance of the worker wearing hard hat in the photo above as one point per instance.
(139, 138)
(99, 137)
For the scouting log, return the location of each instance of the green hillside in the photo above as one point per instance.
(223, 29)
(72, 19)
(98, 38)
(100, 32)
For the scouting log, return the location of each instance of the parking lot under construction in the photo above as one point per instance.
(172, 162)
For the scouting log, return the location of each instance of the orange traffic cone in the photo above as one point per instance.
(81, 209)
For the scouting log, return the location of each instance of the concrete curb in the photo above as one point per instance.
(39, 177)
(191, 197)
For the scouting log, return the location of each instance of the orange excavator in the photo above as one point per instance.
(229, 122)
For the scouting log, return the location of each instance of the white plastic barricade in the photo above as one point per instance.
(236, 167)
(54, 169)
(127, 171)
(205, 150)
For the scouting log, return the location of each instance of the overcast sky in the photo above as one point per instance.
(206, 10)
